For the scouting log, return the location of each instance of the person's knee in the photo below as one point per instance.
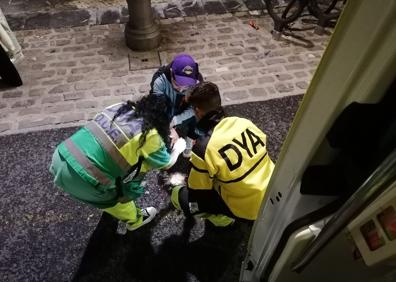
(175, 197)
(179, 199)
(220, 220)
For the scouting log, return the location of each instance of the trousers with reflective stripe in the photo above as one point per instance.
(69, 181)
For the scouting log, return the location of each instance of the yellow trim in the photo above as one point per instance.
(175, 197)
(126, 212)
(220, 220)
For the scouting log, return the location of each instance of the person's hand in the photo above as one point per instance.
(173, 136)
(179, 146)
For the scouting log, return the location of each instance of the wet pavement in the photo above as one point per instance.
(47, 236)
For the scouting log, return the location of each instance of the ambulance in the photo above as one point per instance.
(329, 214)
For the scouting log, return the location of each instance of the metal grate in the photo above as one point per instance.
(144, 60)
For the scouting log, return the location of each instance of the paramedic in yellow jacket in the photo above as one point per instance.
(230, 166)
(104, 162)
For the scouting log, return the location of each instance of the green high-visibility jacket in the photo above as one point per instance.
(103, 151)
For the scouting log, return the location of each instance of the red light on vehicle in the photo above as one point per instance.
(387, 219)
(373, 238)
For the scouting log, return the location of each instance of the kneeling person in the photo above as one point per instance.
(103, 163)
(230, 164)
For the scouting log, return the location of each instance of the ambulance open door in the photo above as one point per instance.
(329, 211)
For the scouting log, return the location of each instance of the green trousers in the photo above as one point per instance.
(107, 200)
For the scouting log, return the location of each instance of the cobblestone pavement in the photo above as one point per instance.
(69, 74)
(32, 14)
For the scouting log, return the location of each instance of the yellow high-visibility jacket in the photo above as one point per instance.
(231, 157)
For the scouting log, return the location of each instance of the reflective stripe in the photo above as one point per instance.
(131, 127)
(112, 129)
(246, 173)
(86, 163)
(121, 130)
(126, 138)
(198, 169)
(108, 145)
(112, 135)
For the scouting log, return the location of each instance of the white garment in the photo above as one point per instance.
(8, 40)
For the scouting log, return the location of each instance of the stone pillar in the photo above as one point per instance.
(141, 32)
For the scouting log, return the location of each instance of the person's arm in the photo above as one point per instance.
(185, 115)
(159, 86)
(132, 190)
(156, 155)
(159, 159)
(199, 178)
(178, 148)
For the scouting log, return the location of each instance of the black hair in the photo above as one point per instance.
(154, 111)
(205, 96)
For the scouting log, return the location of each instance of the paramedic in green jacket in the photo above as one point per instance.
(230, 166)
(104, 162)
